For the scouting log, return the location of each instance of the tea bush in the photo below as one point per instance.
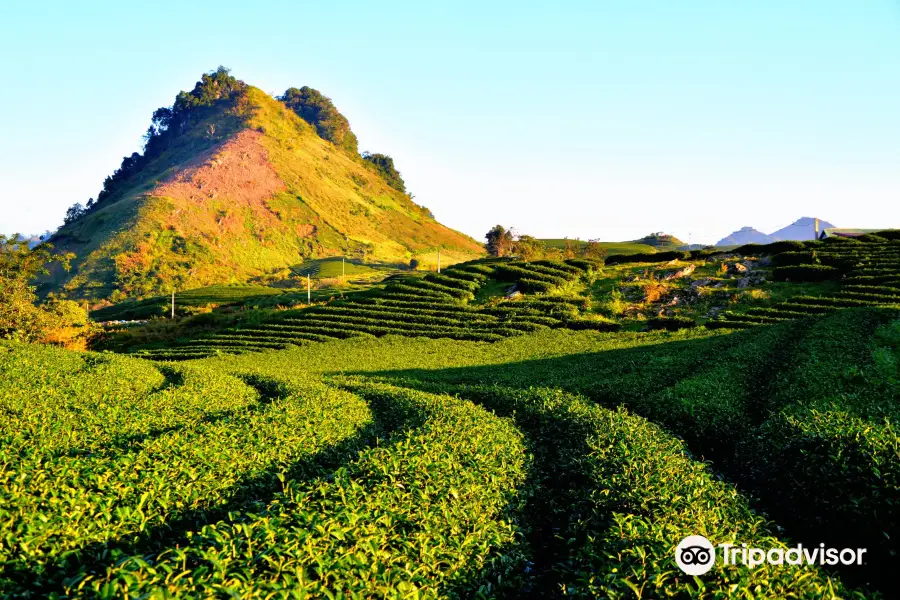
(658, 257)
(806, 273)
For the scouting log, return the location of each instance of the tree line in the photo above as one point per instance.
(500, 241)
(22, 316)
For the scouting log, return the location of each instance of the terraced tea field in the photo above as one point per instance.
(547, 464)
(438, 305)
(868, 274)
(427, 440)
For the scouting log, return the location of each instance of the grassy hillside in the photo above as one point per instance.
(610, 247)
(249, 190)
(661, 242)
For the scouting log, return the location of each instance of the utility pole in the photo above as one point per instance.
(817, 229)
(308, 290)
(439, 260)
(173, 303)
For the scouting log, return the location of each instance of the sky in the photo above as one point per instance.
(606, 119)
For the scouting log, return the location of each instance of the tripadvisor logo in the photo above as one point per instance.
(696, 555)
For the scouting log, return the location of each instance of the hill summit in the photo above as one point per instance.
(746, 235)
(234, 184)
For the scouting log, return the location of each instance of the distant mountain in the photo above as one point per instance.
(801, 229)
(34, 240)
(745, 235)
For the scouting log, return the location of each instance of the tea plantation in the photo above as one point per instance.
(427, 441)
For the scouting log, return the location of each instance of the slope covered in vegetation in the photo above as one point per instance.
(553, 464)
(234, 184)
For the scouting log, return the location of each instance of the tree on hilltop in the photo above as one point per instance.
(529, 248)
(499, 241)
(73, 213)
(171, 122)
(384, 164)
(319, 111)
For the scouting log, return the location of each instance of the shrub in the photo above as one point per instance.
(670, 323)
(871, 238)
(889, 234)
(528, 285)
(807, 273)
(451, 281)
(584, 264)
(559, 267)
(592, 324)
(705, 253)
(658, 257)
(773, 248)
(789, 259)
(840, 241)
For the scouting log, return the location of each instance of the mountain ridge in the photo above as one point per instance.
(802, 229)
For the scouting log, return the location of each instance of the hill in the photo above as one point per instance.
(611, 247)
(661, 241)
(802, 230)
(746, 235)
(234, 184)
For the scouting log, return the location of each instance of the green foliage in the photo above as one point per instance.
(529, 248)
(20, 315)
(384, 164)
(872, 238)
(429, 306)
(790, 259)
(74, 212)
(773, 248)
(319, 111)
(840, 241)
(657, 257)
(96, 482)
(500, 241)
(807, 273)
(554, 462)
(670, 323)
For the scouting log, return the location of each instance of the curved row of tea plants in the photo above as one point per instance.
(868, 273)
(435, 306)
(111, 458)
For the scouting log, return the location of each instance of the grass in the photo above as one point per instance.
(610, 247)
(335, 268)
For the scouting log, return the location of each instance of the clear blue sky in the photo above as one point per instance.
(601, 119)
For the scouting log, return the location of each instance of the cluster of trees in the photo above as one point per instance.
(501, 241)
(167, 124)
(384, 164)
(319, 111)
(21, 316)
